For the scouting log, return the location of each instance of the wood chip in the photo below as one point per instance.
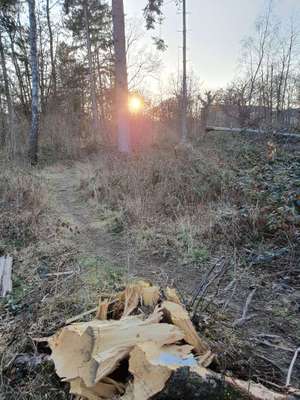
(150, 296)
(102, 311)
(133, 295)
(171, 295)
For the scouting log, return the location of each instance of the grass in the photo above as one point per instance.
(179, 210)
(23, 200)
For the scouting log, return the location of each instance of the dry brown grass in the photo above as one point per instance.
(23, 199)
(159, 184)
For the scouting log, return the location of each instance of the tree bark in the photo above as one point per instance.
(91, 70)
(52, 59)
(121, 84)
(8, 99)
(34, 131)
(184, 84)
(186, 385)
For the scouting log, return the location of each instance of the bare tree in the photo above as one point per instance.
(34, 131)
(121, 84)
(8, 97)
(91, 69)
(52, 59)
(184, 79)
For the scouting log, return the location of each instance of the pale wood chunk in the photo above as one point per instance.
(152, 365)
(133, 295)
(180, 318)
(102, 311)
(151, 296)
(97, 392)
(171, 295)
(92, 350)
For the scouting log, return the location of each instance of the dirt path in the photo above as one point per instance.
(87, 229)
(93, 238)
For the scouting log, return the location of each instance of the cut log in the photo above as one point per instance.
(145, 356)
(180, 318)
(92, 350)
(5, 275)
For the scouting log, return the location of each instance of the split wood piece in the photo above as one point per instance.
(171, 295)
(180, 318)
(5, 275)
(99, 391)
(152, 366)
(92, 350)
(151, 296)
(102, 310)
(133, 294)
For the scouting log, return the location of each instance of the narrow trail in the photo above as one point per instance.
(93, 240)
(89, 233)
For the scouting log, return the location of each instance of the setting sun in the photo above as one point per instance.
(135, 104)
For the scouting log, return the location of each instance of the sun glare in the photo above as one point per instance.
(135, 104)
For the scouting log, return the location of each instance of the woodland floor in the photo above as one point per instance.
(75, 239)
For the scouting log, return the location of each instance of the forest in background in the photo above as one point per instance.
(76, 75)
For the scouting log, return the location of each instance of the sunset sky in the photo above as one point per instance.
(216, 29)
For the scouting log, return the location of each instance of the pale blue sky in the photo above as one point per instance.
(216, 29)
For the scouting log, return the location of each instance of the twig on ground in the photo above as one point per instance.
(269, 344)
(290, 371)
(269, 361)
(60, 273)
(244, 318)
(199, 288)
(206, 284)
(77, 317)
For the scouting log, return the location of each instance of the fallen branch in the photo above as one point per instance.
(244, 318)
(290, 371)
(248, 130)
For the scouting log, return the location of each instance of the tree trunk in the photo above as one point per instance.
(91, 70)
(184, 84)
(8, 99)
(121, 91)
(52, 60)
(41, 65)
(34, 132)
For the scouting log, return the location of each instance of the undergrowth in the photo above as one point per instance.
(23, 200)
